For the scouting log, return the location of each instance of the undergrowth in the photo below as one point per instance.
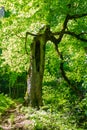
(5, 103)
(61, 109)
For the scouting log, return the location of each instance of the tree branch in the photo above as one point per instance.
(61, 33)
(56, 41)
(77, 16)
(28, 33)
(73, 87)
(78, 36)
(32, 34)
(64, 28)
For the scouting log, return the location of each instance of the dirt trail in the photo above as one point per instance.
(13, 119)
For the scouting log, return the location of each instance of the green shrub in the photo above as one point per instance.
(5, 103)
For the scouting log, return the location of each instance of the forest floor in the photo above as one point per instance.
(13, 119)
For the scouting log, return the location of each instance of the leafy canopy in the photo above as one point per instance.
(31, 15)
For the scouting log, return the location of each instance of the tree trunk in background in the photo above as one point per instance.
(36, 71)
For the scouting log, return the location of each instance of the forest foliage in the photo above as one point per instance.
(58, 97)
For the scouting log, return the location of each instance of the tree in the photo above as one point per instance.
(65, 19)
(37, 51)
(36, 69)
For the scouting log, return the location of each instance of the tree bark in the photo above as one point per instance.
(36, 70)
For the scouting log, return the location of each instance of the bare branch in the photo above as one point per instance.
(62, 32)
(77, 16)
(28, 33)
(21, 37)
(56, 33)
(32, 34)
(64, 28)
(56, 41)
(78, 36)
(82, 33)
(73, 87)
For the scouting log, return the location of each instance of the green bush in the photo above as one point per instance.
(46, 120)
(5, 103)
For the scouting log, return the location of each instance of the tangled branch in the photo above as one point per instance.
(66, 31)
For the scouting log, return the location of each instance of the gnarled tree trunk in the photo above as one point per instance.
(36, 70)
